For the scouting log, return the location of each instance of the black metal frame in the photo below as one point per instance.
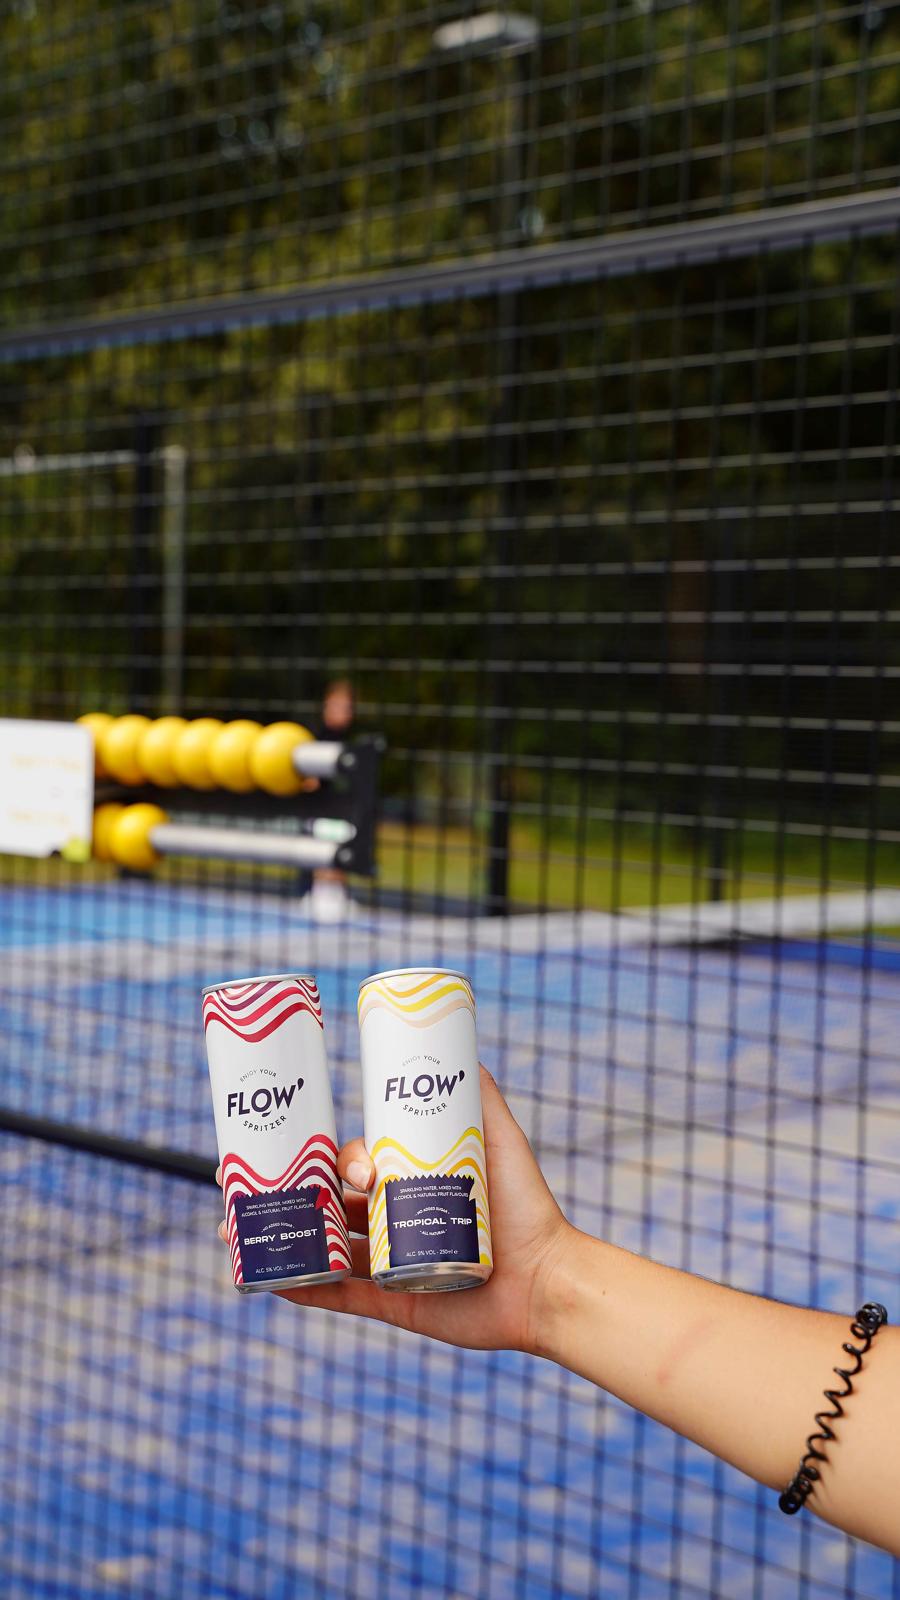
(154, 1158)
(618, 254)
(350, 796)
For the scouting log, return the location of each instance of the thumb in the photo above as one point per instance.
(499, 1123)
(356, 1166)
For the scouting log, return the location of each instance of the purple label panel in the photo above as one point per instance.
(282, 1234)
(431, 1219)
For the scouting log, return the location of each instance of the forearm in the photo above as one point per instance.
(740, 1375)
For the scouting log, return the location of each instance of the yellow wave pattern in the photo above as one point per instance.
(393, 1160)
(419, 1003)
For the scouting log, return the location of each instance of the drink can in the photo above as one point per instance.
(268, 1070)
(429, 1225)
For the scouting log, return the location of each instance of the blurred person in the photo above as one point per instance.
(338, 710)
(738, 1374)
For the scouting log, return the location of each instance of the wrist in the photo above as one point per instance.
(556, 1290)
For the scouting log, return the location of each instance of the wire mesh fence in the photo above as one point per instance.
(606, 548)
(182, 150)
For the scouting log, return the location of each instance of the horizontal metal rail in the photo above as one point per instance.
(154, 1158)
(620, 254)
(243, 844)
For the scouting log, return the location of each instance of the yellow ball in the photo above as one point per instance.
(229, 755)
(157, 749)
(270, 758)
(190, 755)
(97, 723)
(104, 817)
(119, 748)
(129, 837)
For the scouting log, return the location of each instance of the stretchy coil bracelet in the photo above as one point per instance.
(869, 1318)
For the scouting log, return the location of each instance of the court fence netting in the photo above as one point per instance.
(536, 376)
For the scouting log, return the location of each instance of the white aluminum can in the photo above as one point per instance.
(284, 1205)
(429, 1225)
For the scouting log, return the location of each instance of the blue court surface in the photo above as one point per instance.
(734, 1111)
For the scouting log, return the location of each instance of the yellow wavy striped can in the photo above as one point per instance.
(429, 1223)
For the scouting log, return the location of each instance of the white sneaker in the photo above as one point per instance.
(327, 902)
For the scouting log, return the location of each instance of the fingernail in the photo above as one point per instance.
(218, 1174)
(359, 1174)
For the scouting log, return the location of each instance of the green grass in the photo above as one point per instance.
(631, 868)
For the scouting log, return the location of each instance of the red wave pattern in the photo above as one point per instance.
(314, 1163)
(237, 997)
(239, 1007)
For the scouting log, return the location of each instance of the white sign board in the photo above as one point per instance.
(46, 789)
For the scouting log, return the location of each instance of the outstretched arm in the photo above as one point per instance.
(740, 1375)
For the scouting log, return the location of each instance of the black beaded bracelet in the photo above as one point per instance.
(869, 1318)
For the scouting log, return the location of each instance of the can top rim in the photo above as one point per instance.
(412, 972)
(256, 977)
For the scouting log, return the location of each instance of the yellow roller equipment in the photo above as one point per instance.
(129, 837)
(157, 749)
(119, 745)
(230, 752)
(271, 758)
(139, 836)
(190, 753)
(97, 723)
(203, 754)
(104, 817)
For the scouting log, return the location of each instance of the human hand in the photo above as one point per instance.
(528, 1231)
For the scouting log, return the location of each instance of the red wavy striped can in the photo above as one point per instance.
(268, 1069)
